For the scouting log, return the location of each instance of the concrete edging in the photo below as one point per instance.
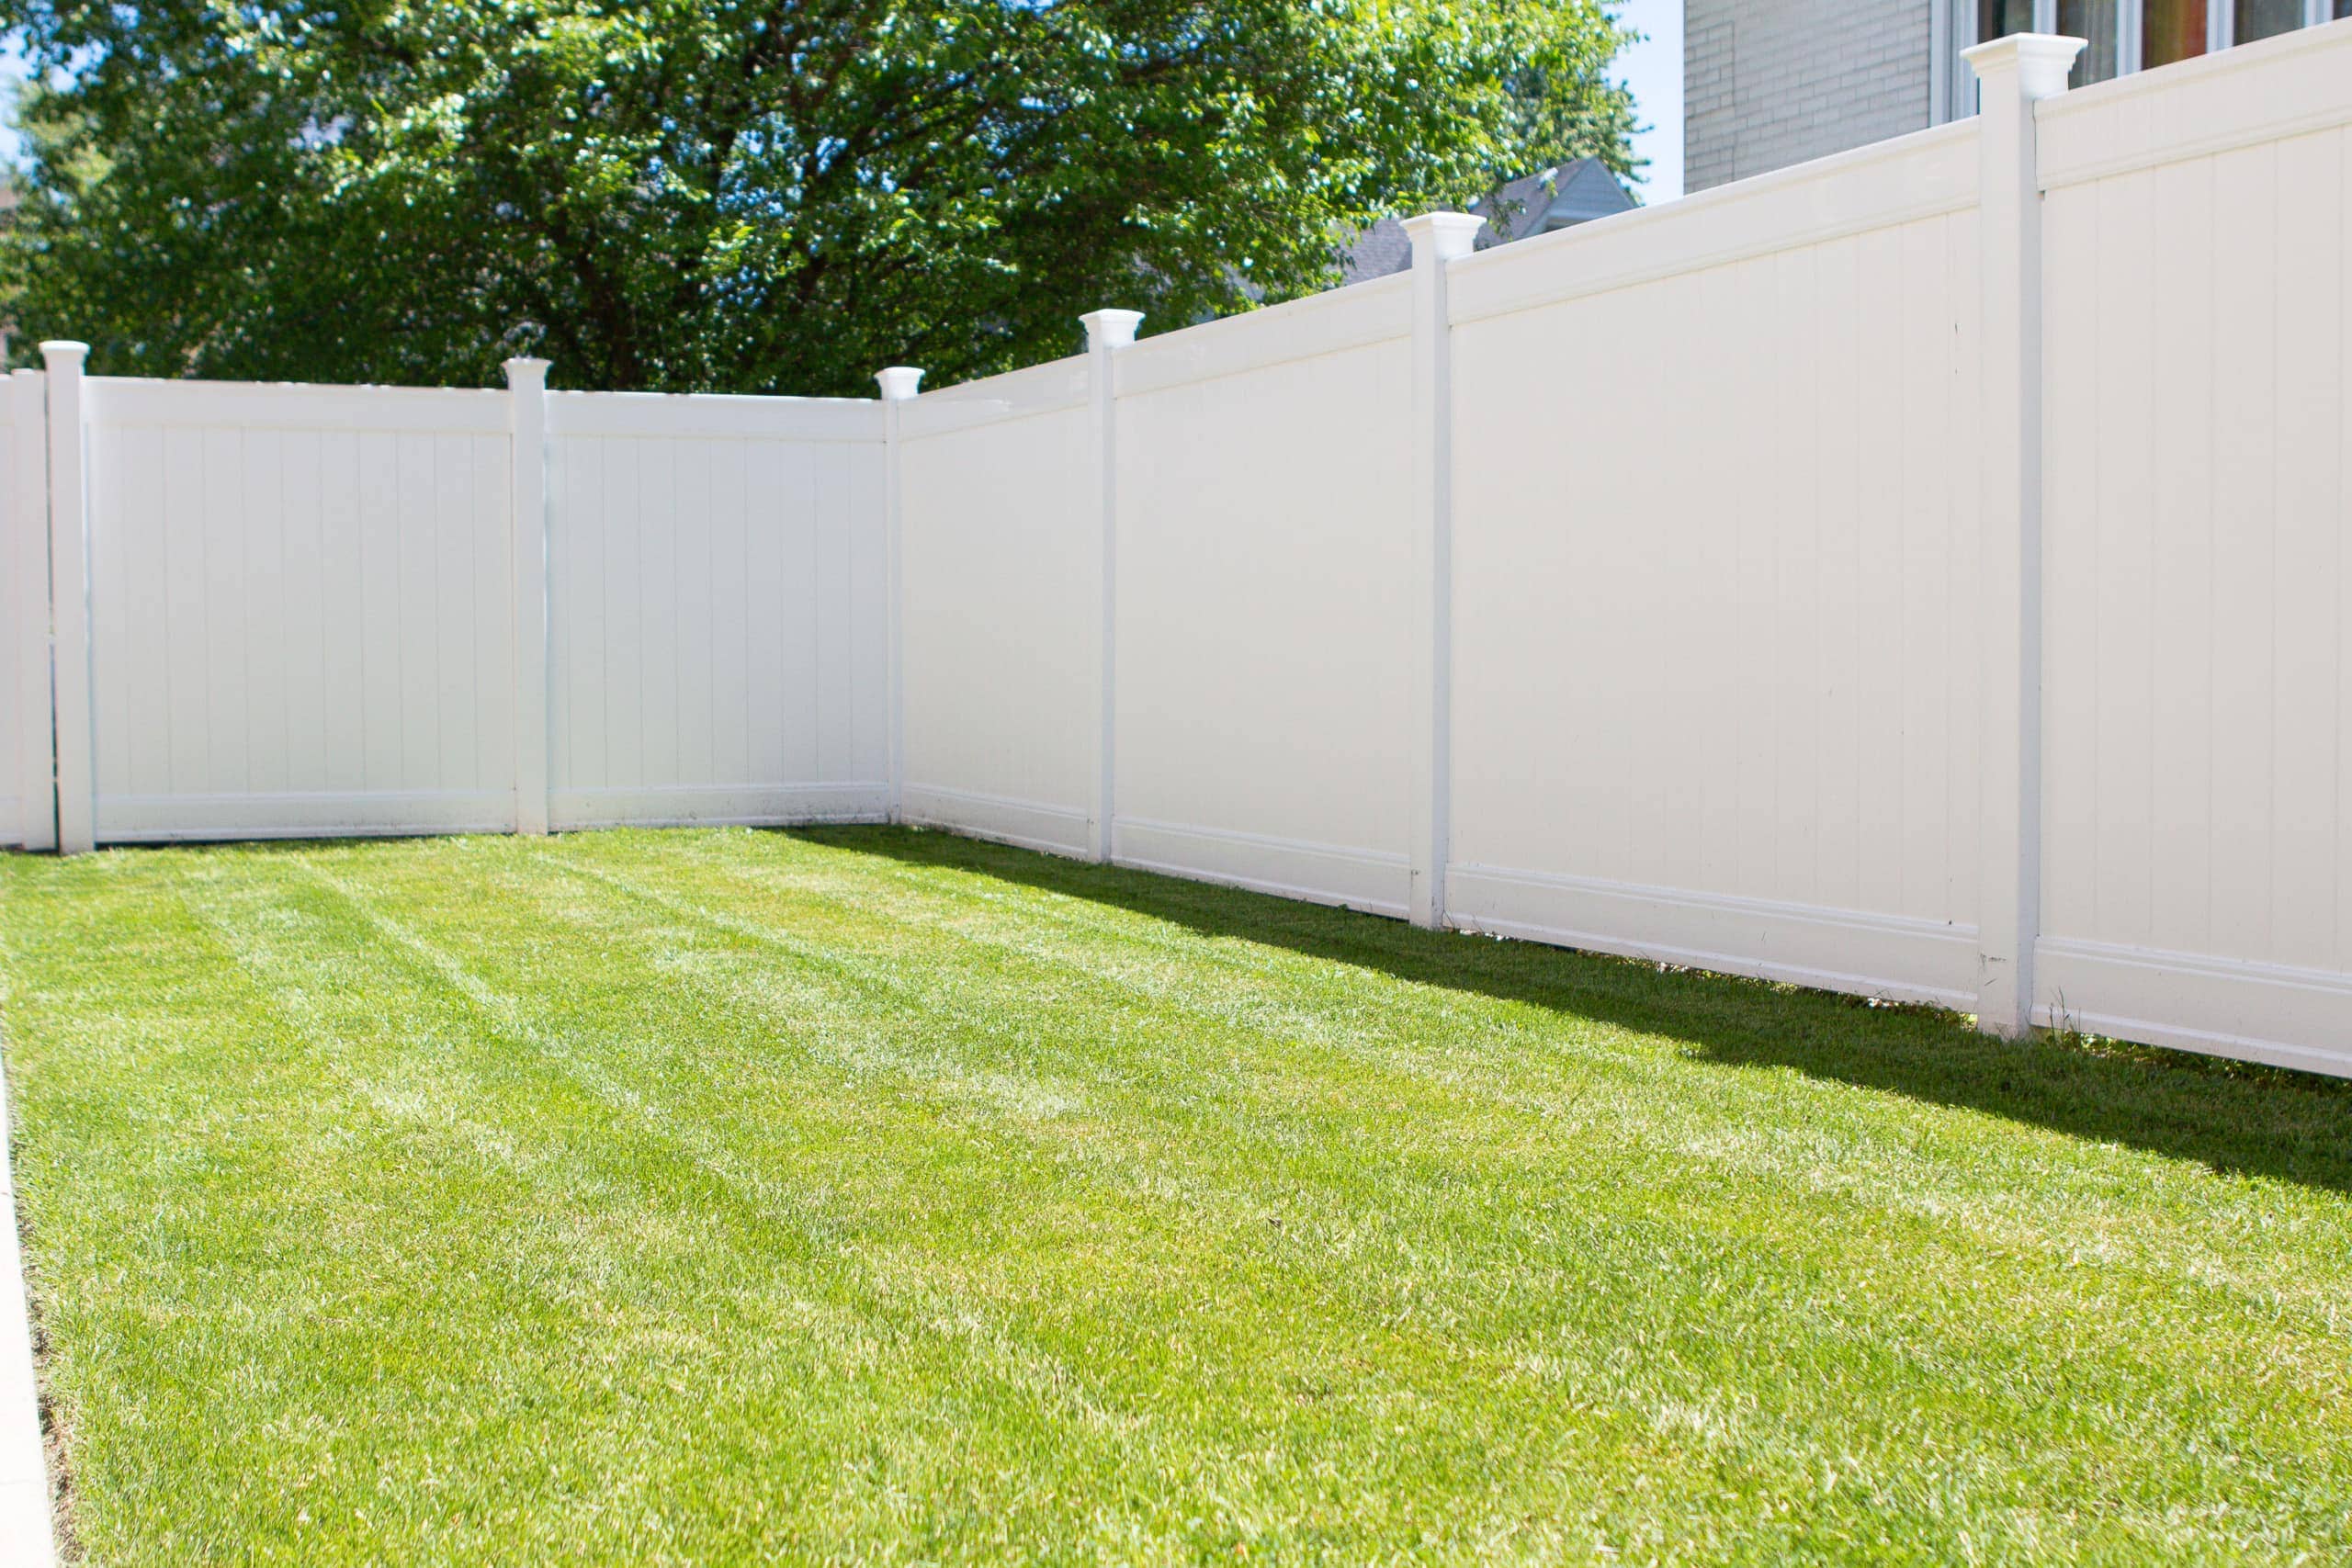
(28, 1534)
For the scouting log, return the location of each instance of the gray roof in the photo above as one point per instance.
(1537, 204)
(1376, 252)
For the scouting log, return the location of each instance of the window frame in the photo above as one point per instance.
(1952, 24)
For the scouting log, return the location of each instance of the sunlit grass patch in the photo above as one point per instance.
(879, 1196)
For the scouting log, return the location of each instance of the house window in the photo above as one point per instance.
(2268, 18)
(2101, 23)
(1999, 19)
(2172, 30)
(2121, 36)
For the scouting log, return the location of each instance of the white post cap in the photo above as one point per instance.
(523, 372)
(2040, 60)
(898, 383)
(63, 351)
(1444, 235)
(1111, 329)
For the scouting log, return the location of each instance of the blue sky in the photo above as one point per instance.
(1653, 68)
(12, 70)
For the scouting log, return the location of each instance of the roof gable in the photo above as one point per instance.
(1551, 198)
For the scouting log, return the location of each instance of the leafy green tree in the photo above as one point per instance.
(742, 195)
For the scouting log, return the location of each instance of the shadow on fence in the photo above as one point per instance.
(2228, 1116)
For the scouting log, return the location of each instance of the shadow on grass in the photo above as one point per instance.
(2228, 1116)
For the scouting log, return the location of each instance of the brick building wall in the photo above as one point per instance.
(1771, 82)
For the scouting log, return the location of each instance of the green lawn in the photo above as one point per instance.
(875, 1196)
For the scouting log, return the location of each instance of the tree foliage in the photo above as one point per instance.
(742, 195)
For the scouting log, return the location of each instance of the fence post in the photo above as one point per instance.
(2013, 74)
(69, 578)
(1107, 332)
(1438, 238)
(527, 395)
(898, 383)
(28, 538)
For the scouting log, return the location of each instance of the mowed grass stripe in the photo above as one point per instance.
(271, 1234)
(1845, 1142)
(574, 1222)
(2040, 1346)
(641, 1136)
(664, 952)
(708, 1196)
(974, 1226)
(1111, 1356)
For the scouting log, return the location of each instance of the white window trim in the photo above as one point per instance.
(1951, 27)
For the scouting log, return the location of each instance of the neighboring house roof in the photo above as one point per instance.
(1551, 198)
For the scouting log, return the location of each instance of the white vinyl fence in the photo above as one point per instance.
(312, 610)
(717, 628)
(301, 610)
(1765, 531)
(1924, 573)
(28, 790)
(1000, 543)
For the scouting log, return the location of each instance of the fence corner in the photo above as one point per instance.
(898, 384)
(1107, 332)
(527, 391)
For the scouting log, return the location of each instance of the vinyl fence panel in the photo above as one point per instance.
(1264, 624)
(1715, 654)
(716, 610)
(1000, 530)
(24, 625)
(2199, 710)
(300, 610)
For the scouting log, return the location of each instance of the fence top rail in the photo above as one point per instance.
(1329, 322)
(1012, 385)
(1333, 321)
(1054, 387)
(2294, 83)
(294, 405)
(713, 415)
(1925, 174)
